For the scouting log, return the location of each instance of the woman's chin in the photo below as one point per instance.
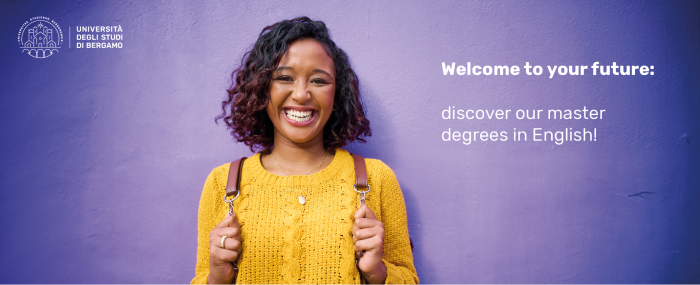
(299, 137)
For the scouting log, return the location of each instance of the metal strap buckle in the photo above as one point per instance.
(230, 202)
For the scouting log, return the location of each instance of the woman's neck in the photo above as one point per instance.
(288, 158)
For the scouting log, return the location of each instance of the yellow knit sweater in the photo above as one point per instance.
(286, 242)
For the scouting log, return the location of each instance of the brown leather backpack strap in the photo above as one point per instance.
(360, 183)
(234, 177)
(360, 171)
(233, 186)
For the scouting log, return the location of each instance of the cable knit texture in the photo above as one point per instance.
(286, 242)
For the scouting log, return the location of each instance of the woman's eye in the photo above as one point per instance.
(319, 81)
(284, 78)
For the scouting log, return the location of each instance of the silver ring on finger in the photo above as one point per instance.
(223, 241)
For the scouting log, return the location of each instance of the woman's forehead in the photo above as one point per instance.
(307, 53)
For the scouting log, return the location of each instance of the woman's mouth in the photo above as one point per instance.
(299, 118)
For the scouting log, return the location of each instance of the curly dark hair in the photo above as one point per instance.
(244, 112)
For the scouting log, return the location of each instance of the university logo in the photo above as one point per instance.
(40, 37)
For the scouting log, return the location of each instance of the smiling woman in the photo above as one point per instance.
(300, 217)
(299, 116)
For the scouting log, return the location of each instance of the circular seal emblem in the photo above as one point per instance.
(40, 37)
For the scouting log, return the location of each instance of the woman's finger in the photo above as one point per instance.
(216, 235)
(374, 226)
(234, 221)
(369, 214)
(367, 223)
(219, 255)
(362, 212)
(226, 222)
(365, 233)
(232, 244)
(361, 245)
(231, 232)
(370, 244)
(358, 225)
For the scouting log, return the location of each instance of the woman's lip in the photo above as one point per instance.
(299, 108)
(299, 124)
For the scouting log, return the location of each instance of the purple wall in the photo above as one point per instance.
(104, 152)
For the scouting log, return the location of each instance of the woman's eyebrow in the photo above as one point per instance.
(321, 71)
(315, 70)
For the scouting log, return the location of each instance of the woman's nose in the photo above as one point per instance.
(301, 92)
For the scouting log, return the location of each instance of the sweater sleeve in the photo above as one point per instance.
(209, 214)
(397, 256)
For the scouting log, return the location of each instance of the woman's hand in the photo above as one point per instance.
(368, 236)
(220, 259)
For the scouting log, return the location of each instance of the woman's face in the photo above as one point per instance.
(301, 93)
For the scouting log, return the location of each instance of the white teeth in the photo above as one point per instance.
(299, 116)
